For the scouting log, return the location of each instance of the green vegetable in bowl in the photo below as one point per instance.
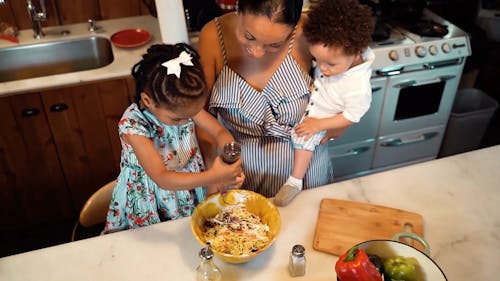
(400, 268)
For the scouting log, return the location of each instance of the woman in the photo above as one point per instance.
(256, 61)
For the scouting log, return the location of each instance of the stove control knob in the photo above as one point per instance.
(393, 55)
(420, 51)
(433, 50)
(446, 47)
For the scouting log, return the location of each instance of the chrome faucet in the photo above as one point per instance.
(37, 18)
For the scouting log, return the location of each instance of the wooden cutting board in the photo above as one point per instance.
(342, 224)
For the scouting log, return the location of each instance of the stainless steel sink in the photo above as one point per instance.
(63, 56)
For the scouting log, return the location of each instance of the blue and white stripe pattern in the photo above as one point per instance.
(262, 122)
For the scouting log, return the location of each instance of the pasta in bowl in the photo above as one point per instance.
(238, 228)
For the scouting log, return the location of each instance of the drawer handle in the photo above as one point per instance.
(352, 152)
(417, 139)
(58, 107)
(390, 71)
(30, 112)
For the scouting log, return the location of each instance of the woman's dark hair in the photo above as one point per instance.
(166, 89)
(279, 11)
(340, 23)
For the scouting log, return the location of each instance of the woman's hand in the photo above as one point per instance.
(333, 133)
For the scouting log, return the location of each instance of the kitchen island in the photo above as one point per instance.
(458, 197)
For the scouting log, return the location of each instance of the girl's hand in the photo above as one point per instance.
(228, 175)
(308, 127)
(213, 188)
(240, 179)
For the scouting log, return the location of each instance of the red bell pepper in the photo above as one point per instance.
(354, 265)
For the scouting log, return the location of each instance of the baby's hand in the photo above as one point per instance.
(308, 127)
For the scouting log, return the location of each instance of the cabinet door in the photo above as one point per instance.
(111, 9)
(7, 14)
(76, 11)
(31, 176)
(83, 120)
(115, 97)
(10, 137)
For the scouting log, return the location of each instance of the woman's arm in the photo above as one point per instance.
(209, 49)
(152, 163)
(210, 57)
(300, 50)
(209, 124)
(206, 122)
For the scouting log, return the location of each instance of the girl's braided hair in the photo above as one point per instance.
(168, 90)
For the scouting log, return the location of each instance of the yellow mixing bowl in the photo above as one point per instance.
(254, 202)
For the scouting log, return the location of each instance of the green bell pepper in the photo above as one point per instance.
(400, 269)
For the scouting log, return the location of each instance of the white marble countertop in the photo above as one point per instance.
(124, 58)
(458, 197)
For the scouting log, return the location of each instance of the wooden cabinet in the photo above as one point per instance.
(32, 185)
(56, 148)
(62, 12)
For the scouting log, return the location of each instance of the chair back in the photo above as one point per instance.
(96, 208)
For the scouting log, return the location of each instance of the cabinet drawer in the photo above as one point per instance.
(408, 146)
(352, 159)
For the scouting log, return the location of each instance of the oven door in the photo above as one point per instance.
(419, 99)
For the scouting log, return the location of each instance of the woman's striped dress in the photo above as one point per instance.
(262, 123)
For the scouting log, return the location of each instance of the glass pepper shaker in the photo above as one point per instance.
(297, 265)
(231, 152)
(207, 270)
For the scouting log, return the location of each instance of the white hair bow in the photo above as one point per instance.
(174, 65)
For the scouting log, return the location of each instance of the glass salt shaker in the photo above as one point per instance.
(297, 265)
(207, 270)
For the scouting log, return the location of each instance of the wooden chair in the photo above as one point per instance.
(93, 214)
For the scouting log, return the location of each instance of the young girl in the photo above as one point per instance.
(342, 92)
(162, 171)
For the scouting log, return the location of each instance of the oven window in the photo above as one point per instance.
(419, 100)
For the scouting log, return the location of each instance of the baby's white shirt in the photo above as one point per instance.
(349, 92)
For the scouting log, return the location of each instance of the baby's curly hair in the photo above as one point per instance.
(340, 23)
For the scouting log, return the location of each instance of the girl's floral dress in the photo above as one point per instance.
(137, 200)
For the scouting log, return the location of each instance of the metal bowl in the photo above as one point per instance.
(254, 202)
